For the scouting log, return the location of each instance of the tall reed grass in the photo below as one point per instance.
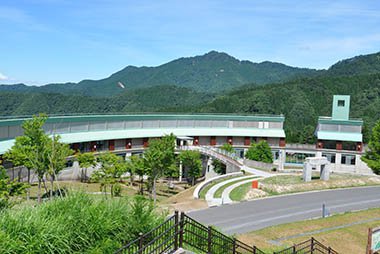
(77, 223)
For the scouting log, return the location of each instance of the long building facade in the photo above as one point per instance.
(123, 132)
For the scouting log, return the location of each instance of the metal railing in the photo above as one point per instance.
(309, 246)
(182, 231)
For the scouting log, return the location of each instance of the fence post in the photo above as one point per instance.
(176, 230)
(329, 250)
(312, 245)
(234, 245)
(181, 228)
(254, 249)
(209, 239)
(141, 242)
(294, 250)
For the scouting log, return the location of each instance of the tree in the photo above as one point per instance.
(260, 152)
(85, 160)
(30, 149)
(159, 158)
(219, 167)
(110, 171)
(228, 148)
(136, 165)
(191, 161)
(372, 156)
(57, 154)
(9, 188)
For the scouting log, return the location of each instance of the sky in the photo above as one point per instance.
(48, 41)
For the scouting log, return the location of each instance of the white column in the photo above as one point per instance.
(180, 171)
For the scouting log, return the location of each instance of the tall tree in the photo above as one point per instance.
(191, 161)
(30, 149)
(260, 152)
(372, 156)
(158, 159)
(57, 154)
(136, 166)
(85, 160)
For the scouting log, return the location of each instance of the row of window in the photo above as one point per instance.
(346, 159)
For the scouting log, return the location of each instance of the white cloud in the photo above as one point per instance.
(3, 77)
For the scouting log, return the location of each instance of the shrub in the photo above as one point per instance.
(117, 190)
(260, 152)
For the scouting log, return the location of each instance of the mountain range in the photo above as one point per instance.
(191, 85)
(211, 73)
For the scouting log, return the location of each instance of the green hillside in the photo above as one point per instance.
(301, 99)
(160, 98)
(213, 72)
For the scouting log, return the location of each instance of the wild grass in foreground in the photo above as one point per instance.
(77, 223)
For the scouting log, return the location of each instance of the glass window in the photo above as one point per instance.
(340, 103)
(348, 159)
(330, 157)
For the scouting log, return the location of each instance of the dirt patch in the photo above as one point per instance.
(183, 201)
(255, 193)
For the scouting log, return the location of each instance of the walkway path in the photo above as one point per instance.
(211, 201)
(227, 191)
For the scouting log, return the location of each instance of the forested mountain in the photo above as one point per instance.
(301, 99)
(159, 98)
(213, 72)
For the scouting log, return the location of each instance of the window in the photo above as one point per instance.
(330, 157)
(348, 159)
(340, 103)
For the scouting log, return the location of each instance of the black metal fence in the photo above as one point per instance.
(310, 246)
(182, 231)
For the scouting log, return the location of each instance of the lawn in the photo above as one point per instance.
(349, 239)
(203, 192)
(239, 192)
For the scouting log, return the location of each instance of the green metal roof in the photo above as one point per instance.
(139, 117)
(340, 136)
(329, 120)
(141, 133)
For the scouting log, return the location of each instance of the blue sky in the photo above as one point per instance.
(44, 41)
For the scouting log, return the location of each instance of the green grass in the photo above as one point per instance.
(78, 223)
(218, 192)
(239, 192)
(203, 192)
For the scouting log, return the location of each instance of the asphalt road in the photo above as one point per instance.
(252, 215)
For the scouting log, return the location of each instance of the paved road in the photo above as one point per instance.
(252, 215)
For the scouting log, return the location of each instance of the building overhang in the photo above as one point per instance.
(79, 137)
(340, 136)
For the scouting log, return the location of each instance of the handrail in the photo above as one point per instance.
(181, 229)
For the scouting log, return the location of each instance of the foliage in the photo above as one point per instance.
(32, 149)
(219, 167)
(260, 152)
(85, 160)
(159, 158)
(57, 154)
(9, 188)
(135, 165)
(372, 156)
(77, 223)
(228, 147)
(112, 167)
(192, 163)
